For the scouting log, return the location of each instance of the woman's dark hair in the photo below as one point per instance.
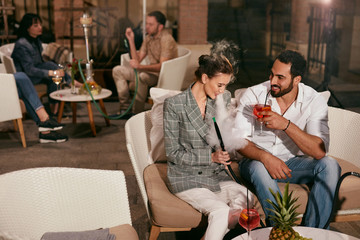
(26, 22)
(213, 64)
(297, 61)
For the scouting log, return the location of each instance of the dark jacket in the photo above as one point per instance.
(27, 58)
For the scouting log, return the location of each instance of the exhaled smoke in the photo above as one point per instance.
(231, 136)
(230, 50)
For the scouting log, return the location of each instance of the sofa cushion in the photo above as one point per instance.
(57, 53)
(167, 210)
(157, 151)
(124, 231)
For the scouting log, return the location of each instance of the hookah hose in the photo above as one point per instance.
(230, 169)
(111, 117)
(337, 194)
(223, 148)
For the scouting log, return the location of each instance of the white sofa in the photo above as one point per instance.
(168, 213)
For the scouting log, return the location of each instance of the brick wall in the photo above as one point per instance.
(62, 20)
(192, 21)
(192, 26)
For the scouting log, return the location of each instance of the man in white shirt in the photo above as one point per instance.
(294, 142)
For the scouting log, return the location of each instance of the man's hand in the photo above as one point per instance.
(134, 63)
(129, 34)
(276, 168)
(221, 157)
(274, 120)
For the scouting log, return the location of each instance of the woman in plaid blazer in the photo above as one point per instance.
(196, 171)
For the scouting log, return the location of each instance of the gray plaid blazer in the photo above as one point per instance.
(187, 151)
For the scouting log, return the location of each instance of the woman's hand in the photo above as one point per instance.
(58, 72)
(221, 157)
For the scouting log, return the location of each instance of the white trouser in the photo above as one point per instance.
(216, 205)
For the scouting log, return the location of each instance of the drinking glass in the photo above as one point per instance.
(249, 219)
(259, 108)
(57, 78)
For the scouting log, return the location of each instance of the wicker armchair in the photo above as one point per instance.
(40, 200)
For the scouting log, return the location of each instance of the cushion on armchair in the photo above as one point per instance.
(56, 53)
(157, 151)
(124, 231)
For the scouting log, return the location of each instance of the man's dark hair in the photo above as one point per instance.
(297, 61)
(26, 22)
(160, 17)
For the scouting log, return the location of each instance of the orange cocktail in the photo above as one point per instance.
(260, 108)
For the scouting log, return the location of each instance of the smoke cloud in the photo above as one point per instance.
(225, 119)
(231, 51)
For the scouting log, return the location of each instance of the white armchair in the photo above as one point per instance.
(5, 56)
(10, 105)
(172, 72)
(53, 199)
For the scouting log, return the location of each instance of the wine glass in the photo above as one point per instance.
(249, 219)
(57, 78)
(259, 108)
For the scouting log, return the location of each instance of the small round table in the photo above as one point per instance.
(65, 95)
(308, 232)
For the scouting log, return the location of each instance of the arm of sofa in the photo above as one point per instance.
(344, 135)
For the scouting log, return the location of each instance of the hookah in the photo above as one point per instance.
(86, 23)
(94, 88)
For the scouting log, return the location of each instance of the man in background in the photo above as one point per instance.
(158, 46)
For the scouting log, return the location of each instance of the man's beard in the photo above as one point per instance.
(154, 33)
(283, 92)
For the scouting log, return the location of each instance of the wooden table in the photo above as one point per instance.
(65, 95)
(308, 232)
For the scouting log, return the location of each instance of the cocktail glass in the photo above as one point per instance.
(256, 110)
(57, 78)
(249, 219)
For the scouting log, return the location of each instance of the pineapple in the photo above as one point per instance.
(284, 217)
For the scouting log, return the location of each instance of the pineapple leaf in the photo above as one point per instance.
(286, 195)
(283, 212)
(279, 200)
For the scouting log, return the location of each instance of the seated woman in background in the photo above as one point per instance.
(196, 171)
(46, 124)
(28, 59)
